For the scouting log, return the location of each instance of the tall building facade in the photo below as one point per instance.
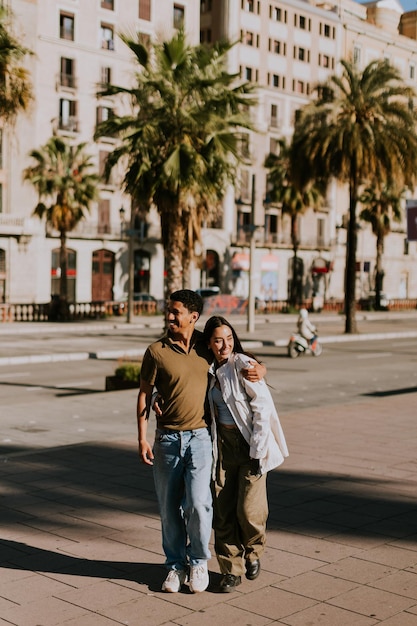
(284, 47)
(76, 47)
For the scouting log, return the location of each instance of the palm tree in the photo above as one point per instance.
(66, 185)
(380, 206)
(15, 85)
(360, 128)
(294, 200)
(179, 144)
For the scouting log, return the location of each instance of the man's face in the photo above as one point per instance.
(179, 318)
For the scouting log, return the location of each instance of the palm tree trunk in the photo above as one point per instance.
(63, 281)
(379, 272)
(295, 280)
(351, 245)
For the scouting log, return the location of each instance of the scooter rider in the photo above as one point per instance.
(306, 328)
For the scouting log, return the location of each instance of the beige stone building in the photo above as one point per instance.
(285, 47)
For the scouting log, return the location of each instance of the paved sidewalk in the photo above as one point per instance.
(80, 540)
(81, 544)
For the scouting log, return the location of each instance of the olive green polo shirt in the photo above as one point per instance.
(181, 379)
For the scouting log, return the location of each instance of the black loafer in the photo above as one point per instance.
(252, 569)
(229, 582)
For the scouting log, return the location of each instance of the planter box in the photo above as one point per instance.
(114, 383)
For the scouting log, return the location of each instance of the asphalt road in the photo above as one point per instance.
(52, 404)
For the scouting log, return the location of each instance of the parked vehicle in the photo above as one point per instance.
(369, 303)
(298, 345)
(207, 292)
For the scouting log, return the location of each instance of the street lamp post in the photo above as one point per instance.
(129, 233)
(251, 229)
(251, 294)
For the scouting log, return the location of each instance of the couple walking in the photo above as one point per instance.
(217, 436)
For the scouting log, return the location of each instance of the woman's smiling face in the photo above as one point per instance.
(221, 343)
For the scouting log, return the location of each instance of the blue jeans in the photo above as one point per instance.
(182, 474)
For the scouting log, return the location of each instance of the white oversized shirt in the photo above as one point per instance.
(253, 411)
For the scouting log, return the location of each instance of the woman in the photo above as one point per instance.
(247, 442)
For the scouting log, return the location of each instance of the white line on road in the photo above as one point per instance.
(84, 383)
(376, 355)
(16, 375)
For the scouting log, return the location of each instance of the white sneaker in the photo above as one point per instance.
(199, 578)
(174, 581)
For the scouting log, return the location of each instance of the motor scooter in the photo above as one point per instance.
(299, 345)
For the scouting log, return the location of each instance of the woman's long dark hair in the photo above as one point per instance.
(215, 322)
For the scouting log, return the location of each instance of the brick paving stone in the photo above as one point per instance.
(402, 583)
(372, 602)
(272, 602)
(316, 585)
(326, 615)
(357, 570)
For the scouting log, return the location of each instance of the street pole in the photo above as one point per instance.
(131, 266)
(251, 295)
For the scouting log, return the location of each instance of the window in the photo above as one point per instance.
(320, 232)
(326, 61)
(412, 72)
(205, 6)
(302, 22)
(249, 39)
(103, 226)
(277, 47)
(106, 75)
(107, 37)
(1, 198)
(66, 26)
(277, 14)
(179, 16)
(356, 55)
(275, 80)
(274, 116)
(67, 78)
(327, 31)
(103, 114)
(299, 86)
(248, 5)
(245, 191)
(107, 4)
(245, 146)
(145, 10)
(301, 54)
(68, 115)
(2, 275)
(271, 228)
(1, 148)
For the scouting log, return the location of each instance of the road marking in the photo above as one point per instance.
(86, 383)
(19, 375)
(377, 355)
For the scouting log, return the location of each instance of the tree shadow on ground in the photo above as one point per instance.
(89, 483)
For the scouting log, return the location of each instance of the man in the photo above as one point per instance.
(177, 365)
